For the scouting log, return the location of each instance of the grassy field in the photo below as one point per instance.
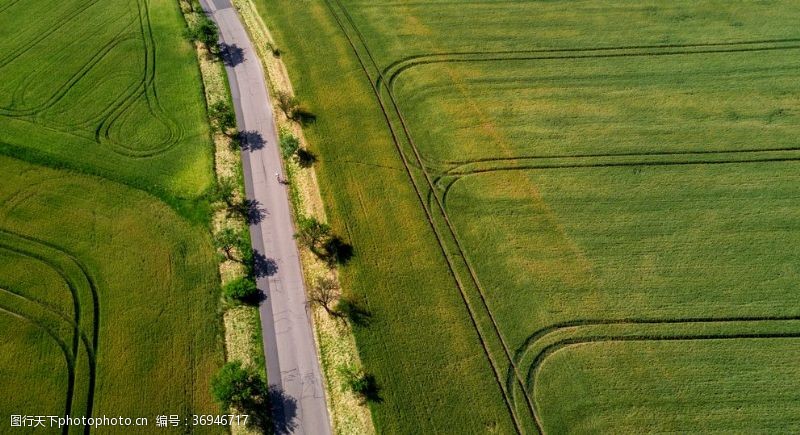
(108, 284)
(122, 100)
(584, 213)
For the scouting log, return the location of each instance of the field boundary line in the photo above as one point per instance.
(453, 234)
(432, 224)
(403, 65)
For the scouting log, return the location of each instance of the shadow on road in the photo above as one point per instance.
(251, 140)
(284, 410)
(253, 212)
(263, 266)
(231, 54)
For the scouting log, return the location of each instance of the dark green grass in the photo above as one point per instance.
(33, 363)
(419, 344)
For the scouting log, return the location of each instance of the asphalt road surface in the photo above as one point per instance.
(292, 365)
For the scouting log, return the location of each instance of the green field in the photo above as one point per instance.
(568, 216)
(108, 284)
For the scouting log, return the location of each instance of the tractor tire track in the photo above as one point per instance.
(90, 289)
(431, 222)
(550, 349)
(68, 357)
(590, 54)
(461, 252)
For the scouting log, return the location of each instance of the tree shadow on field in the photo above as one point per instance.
(250, 140)
(284, 410)
(337, 251)
(371, 391)
(305, 158)
(353, 310)
(263, 266)
(231, 54)
(303, 116)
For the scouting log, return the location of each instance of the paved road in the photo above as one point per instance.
(289, 347)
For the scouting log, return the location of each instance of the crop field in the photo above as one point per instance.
(586, 212)
(108, 289)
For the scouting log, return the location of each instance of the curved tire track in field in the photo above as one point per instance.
(114, 115)
(60, 22)
(70, 83)
(459, 249)
(89, 292)
(147, 90)
(542, 354)
(512, 371)
(394, 70)
(390, 70)
(68, 357)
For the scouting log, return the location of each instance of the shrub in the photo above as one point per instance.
(288, 104)
(242, 389)
(241, 289)
(205, 32)
(290, 144)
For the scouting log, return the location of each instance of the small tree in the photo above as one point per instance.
(288, 104)
(274, 49)
(237, 387)
(242, 289)
(227, 240)
(205, 32)
(313, 234)
(223, 116)
(290, 144)
(226, 192)
(324, 293)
